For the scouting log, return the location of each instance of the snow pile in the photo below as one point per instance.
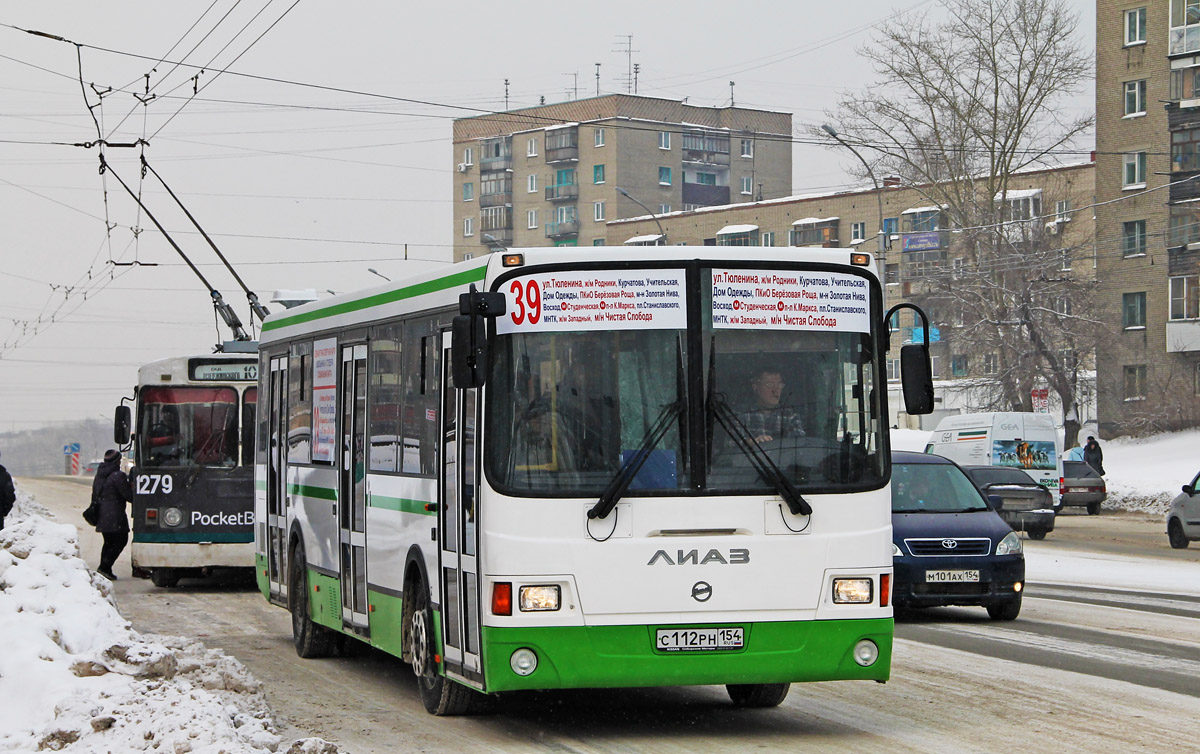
(74, 675)
(1145, 474)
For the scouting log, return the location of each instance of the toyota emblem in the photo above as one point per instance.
(949, 544)
(701, 591)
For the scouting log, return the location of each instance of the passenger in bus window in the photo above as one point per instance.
(768, 419)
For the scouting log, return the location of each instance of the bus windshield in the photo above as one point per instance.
(188, 426)
(768, 386)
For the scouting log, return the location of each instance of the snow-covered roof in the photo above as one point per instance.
(644, 239)
(915, 210)
(1018, 194)
(731, 229)
(815, 220)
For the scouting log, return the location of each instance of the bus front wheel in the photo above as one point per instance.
(758, 694)
(311, 640)
(440, 695)
(164, 577)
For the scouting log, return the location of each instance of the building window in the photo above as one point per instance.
(1185, 27)
(991, 364)
(664, 209)
(1135, 97)
(1064, 260)
(468, 192)
(597, 174)
(599, 134)
(1135, 26)
(1025, 207)
(469, 226)
(1133, 311)
(531, 148)
(747, 185)
(891, 274)
(1185, 297)
(894, 322)
(958, 365)
(469, 156)
(957, 266)
(813, 232)
(768, 238)
(531, 183)
(1135, 170)
(664, 139)
(1185, 83)
(893, 370)
(747, 147)
(1133, 238)
(1062, 211)
(858, 231)
(597, 242)
(664, 176)
(1135, 382)
(598, 211)
(1185, 149)
(922, 222)
(531, 219)
(1062, 305)
(891, 226)
(706, 179)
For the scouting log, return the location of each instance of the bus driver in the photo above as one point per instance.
(769, 420)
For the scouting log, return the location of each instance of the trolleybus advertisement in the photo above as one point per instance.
(789, 300)
(587, 300)
(324, 399)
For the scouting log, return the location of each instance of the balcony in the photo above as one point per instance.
(495, 200)
(562, 229)
(705, 149)
(562, 144)
(1183, 335)
(496, 163)
(705, 196)
(566, 191)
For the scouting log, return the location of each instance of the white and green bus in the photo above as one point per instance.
(560, 468)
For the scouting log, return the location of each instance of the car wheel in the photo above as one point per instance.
(1005, 610)
(164, 578)
(440, 695)
(758, 694)
(1175, 535)
(311, 640)
(1037, 534)
(1093, 509)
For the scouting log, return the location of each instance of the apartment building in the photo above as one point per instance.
(1148, 218)
(924, 257)
(554, 175)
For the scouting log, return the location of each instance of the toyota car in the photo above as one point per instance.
(949, 545)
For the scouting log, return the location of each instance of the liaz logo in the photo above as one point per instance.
(736, 556)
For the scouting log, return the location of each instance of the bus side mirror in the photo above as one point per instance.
(121, 425)
(916, 377)
(468, 351)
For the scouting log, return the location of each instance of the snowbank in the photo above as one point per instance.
(74, 675)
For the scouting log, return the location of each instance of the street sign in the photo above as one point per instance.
(1041, 400)
(71, 448)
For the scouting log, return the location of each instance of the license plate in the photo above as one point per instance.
(698, 639)
(937, 577)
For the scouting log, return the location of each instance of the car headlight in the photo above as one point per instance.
(539, 598)
(172, 517)
(896, 551)
(1010, 545)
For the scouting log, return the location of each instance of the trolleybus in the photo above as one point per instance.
(193, 456)
(560, 468)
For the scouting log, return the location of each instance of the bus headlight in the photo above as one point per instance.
(539, 598)
(172, 517)
(523, 661)
(866, 653)
(852, 591)
(1010, 545)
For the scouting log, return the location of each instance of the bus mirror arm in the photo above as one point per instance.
(916, 371)
(469, 352)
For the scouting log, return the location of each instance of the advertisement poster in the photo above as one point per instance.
(787, 300)
(324, 400)
(578, 300)
(1024, 454)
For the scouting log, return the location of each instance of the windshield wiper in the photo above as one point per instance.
(758, 457)
(629, 470)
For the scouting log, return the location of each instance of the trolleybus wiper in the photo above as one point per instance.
(759, 457)
(629, 470)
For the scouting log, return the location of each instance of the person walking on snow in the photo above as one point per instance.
(1093, 456)
(111, 491)
(8, 494)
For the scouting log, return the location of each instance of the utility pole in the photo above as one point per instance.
(636, 66)
(597, 79)
(505, 94)
(731, 104)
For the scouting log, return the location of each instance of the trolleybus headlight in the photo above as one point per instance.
(866, 653)
(523, 661)
(1010, 545)
(172, 517)
(539, 598)
(852, 591)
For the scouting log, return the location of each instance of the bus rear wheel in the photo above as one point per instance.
(440, 695)
(311, 640)
(164, 577)
(758, 694)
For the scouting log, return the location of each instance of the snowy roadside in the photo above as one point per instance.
(75, 676)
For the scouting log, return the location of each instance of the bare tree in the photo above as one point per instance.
(962, 104)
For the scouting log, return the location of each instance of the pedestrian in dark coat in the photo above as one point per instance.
(8, 494)
(1093, 456)
(111, 491)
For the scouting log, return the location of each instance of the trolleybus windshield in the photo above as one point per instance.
(782, 359)
(188, 426)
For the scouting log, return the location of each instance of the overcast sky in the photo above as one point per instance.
(304, 186)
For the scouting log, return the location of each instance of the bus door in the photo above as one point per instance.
(459, 485)
(276, 538)
(352, 487)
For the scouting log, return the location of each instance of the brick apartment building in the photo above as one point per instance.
(549, 175)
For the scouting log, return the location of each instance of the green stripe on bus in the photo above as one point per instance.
(402, 504)
(303, 489)
(183, 537)
(420, 289)
(260, 485)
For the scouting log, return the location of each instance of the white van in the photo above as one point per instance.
(1024, 441)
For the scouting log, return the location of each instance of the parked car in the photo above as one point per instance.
(949, 545)
(1082, 485)
(1183, 517)
(1024, 504)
